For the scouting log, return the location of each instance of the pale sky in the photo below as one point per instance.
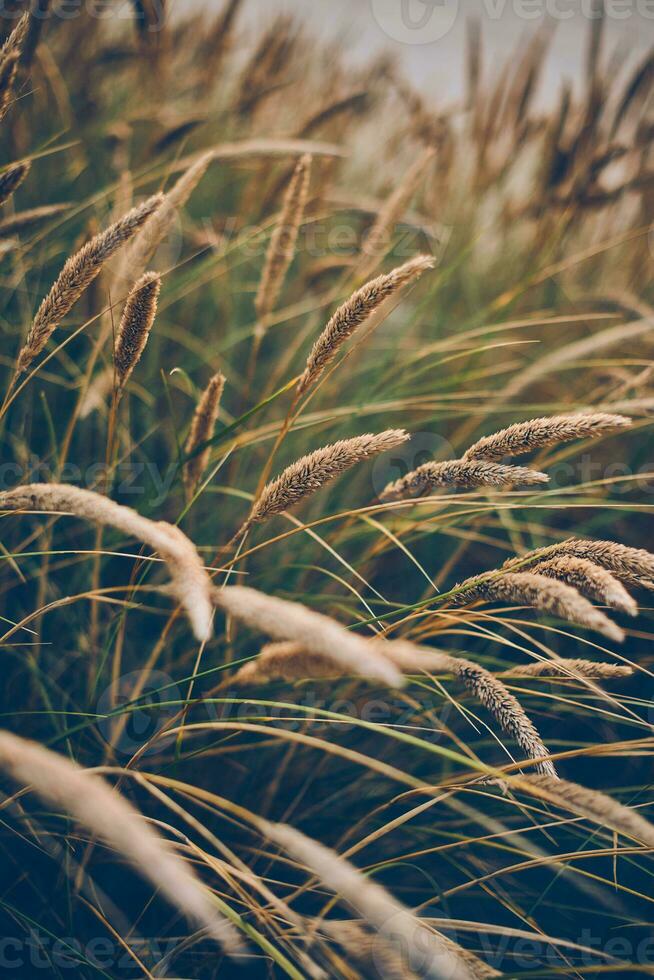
(429, 35)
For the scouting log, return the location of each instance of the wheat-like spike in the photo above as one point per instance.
(380, 958)
(355, 311)
(633, 565)
(12, 178)
(309, 473)
(137, 257)
(546, 594)
(489, 689)
(463, 473)
(598, 807)
(376, 243)
(135, 325)
(569, 669)
(293, 661)
(424, 949)
(281, 249)
(523, 437)
(191, 584)
(79, 272)
(202, 428)
(9, 58)
(315, 633)
(107, 815)
(590, 579)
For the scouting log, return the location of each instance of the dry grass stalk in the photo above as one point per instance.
(107, 815)
(315, 633)
(568, 668)
(309, 473)
(293, 661)
(546, 594)
(524, 437)
(14, 223)
(12, 178)
(190, 583)
(137, 257)
(355, 311)
(633, 565)
(79, 272)
(423, 949)
(135, 325)
(9, 59)
(202, 429)
(378, 957)
(596, 806)
(590, 579)
(281, 249)
(463, 473)
(377, 241)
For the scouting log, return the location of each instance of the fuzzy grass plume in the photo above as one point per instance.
(317, 634)
(569, 669)
(190, 582)
(353, 313)
(135, 325)
(282, 243)
(524, 437)
(590, 580)
(310, 473)
(632, 565)
(547, 594)
(105, 814)
(422, 948)
(202, 429)
(463, 474)
(79, 272)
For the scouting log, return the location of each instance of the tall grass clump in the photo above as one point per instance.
(325, 503)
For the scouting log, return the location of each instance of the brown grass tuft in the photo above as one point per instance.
(317, 634)
(190, 583)
(79, 272)
(524, 437)
(281, 249)
(633, 565)
(546, 594)
(202, 429)
(358, 308)
(568, 669)
(590, 579)
(135, 325)
(90, 801)
(466, 474)
(596, 806)
(310, 473)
